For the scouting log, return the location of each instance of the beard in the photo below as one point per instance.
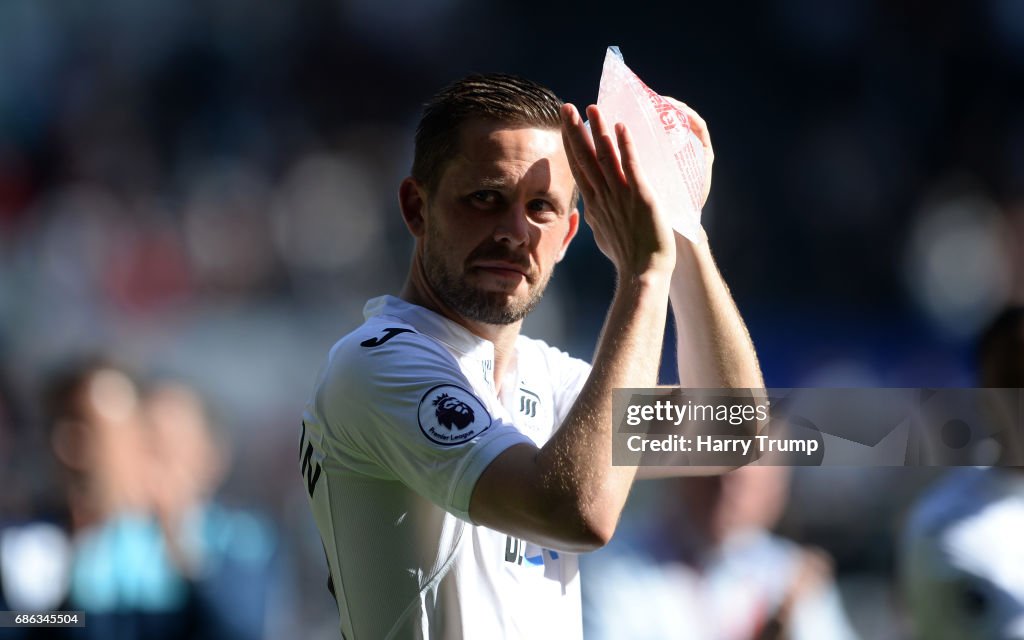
(470, 302)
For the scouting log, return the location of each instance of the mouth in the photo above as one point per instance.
(505, 269)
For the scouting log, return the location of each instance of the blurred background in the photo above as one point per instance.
(205, 192)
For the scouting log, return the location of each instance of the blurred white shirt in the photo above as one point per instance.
(963, 557)
(740, 587)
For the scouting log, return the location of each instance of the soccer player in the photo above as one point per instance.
(454, 466)
(963, 549)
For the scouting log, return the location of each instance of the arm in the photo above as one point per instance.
(712, 343)
(713, 347)
(567, 495)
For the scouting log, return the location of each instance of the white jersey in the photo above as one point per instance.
(403, 420)
(963, 557)
(644, 594)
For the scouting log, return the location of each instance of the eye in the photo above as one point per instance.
(541, 206)
(486, 197)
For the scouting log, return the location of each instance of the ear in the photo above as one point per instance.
(412, 198)
(574, 226)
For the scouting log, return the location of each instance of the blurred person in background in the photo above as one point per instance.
(962, 555)
(229, 556)
(152, 555)
(709, 568)
(455, 467)
(121, 575)
(34, 549)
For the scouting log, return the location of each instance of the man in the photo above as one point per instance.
(963, 550)
(454, 466)
(120, 572)
(706, 566)
(228, 555)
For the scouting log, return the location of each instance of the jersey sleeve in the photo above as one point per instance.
(404, 410)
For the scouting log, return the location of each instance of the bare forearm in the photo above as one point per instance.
(577, 461)
(712, 343)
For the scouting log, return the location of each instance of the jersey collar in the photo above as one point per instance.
(452, 334)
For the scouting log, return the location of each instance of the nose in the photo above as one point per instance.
(513, 226)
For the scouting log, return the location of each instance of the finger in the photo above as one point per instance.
(630, 162)
(695, 122)
(580, 150)
(568, 112)
(700, 129)
(582, 183)
(607, 153)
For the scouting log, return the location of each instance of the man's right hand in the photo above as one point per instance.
(621, 210)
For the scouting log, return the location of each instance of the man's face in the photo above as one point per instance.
(498, 221)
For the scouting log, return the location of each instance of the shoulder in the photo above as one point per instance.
(948, 532)
(385, 350)
(950, 500)
(387, 375)
(380, 367)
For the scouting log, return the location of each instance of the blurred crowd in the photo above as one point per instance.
(132, 533)
(205, 191)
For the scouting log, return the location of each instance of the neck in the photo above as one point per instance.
(419, 292)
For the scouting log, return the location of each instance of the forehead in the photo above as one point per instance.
(502, 152)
